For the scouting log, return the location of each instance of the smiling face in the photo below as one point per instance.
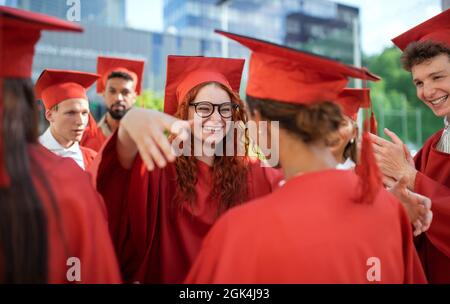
(432, 81)
(213, 128)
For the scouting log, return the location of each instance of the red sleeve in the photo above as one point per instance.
(414, 273)
(131, 205)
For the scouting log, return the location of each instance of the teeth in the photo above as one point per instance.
(439, 100)
(212, 129)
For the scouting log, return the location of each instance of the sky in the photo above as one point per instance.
(381, 20)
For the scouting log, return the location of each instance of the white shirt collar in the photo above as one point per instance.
(48, 140)
(347, 165)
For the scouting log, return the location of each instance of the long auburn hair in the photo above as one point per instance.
(229, 172)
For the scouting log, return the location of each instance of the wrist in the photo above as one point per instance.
(411, 173)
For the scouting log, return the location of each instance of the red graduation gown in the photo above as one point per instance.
(78, 227)
(303, 234)
(155, 242)
(433, 180)
(88, 156)
(93, 136)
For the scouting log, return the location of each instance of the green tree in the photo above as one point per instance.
(149, 100)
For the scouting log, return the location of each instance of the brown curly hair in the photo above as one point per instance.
(229, 172)
(418, 52)
(310, 123)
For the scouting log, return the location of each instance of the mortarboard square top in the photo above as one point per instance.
(19, 32)
(55, 86)
(436, 29)
(351, 100)
(288, 75)
(108, 65)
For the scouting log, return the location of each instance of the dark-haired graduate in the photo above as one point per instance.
(426, 54)
(323, 225)
(119, 84)
(160, 206)
(52, 227)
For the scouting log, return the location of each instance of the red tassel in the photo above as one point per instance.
(4, 178)
(91, 128)
(368, 171)
(373, 124)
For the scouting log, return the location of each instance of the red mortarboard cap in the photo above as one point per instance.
(288, 75)
(19, 32)
(186, 72)
(108, 65)
(285, 74)
(55, 86)
(436, 29)
(351, 100)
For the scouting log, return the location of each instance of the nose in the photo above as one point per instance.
(120, 97)
(79, 119)
(215, 116)
(429, 91)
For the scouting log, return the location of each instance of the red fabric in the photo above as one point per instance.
(433, 180)
(284, 74)
(368, 171)
(156, 242)
(301, 235)
(435, 29)
(93, 136)
(373, 124)
(88, 156)
(351, 100)
(78, 228)
(4, 178)
(55, 86)
(107, 65)
(20, 30)
(186, 72)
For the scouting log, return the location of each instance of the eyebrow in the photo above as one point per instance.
(430, 75)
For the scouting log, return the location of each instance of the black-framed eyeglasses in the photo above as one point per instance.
(204, 109)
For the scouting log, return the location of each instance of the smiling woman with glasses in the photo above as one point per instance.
(205, 109)
(160, 206)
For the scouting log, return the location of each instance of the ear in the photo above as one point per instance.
(49, 115)
(134, 97)
(355, 131)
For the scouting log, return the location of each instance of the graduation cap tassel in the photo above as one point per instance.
(368, 171)
(373, 123)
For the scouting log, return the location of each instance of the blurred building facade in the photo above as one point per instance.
(321, 26)
(102, 12)
(445, 4)
(188, 30)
